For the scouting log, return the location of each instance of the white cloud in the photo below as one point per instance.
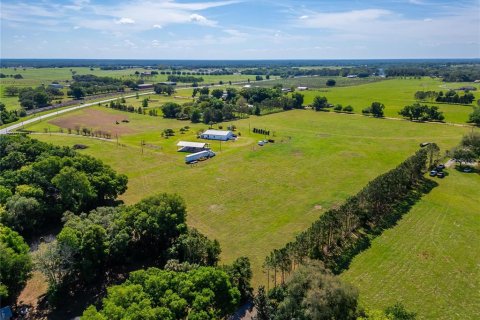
(125, 21)
(201, 20)
(157, 26)
(235, 33)
(428, 19)
(303, 17)
(340, 20)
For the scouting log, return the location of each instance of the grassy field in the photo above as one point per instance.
(320, 82)
(429, 261)
(395, 94)
(253, 199)
(33, 77)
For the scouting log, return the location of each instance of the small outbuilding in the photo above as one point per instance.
(192, 147)
(217, 135)
(302, 88)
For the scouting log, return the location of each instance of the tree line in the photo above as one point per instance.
(341, 232)
(327, 247)
(450, 96)
(287, 72)
(185, 78)
(420, 112)
(448, 72)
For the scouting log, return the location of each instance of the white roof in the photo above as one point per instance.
(191, 144)
(217, 132)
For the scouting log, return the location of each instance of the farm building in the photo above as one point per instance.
(302, 88)
(56, 86)
(217, 135)
(145, 86)
(187, 146)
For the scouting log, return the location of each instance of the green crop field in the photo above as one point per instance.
(253, 199)
(394, 94)
(430, 260)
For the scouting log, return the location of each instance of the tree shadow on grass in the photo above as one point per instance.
(364, 238)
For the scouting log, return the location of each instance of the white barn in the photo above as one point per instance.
(217, 135)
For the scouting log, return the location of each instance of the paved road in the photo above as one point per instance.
(19, 125)
(6, 130)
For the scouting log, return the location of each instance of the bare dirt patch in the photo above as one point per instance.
(96, 120)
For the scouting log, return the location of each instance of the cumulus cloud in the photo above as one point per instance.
(125, 21)
(303, 17)
(157, 26)
(196, 18)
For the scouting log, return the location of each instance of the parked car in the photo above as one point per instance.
(467, 169)
(441, 174)
(261, 143)
(433, 173)
(440, 167)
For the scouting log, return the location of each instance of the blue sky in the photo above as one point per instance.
(243, 29)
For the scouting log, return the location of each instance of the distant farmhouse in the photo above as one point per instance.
(217, 135)
(55, 85)
(145, 86)
(302, 88)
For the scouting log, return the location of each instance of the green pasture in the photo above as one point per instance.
(430, 260)
(33, 77)
(320, 82)
(254, 199)
(394, 94)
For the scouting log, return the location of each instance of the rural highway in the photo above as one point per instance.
(6, 130)
(18, 125)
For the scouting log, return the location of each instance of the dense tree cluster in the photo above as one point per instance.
(320, 103)
(39, 181)
(469, 149)
(420, 112)
(200, 294)
(8, 116)
(206, 108)
(312, 292)
(342, 231)
(450, 96)
(375, 109)
(90, 84)
(474, 117)
(151, 231)
(33, 98)
(286, 72)
(164, 89)
(15, 264)
(449, 73)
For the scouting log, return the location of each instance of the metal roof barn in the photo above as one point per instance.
(217, 135)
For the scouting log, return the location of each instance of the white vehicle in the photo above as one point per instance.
(261, 143)
(199, 155)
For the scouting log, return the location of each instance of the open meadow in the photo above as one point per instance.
(253, 199)
(394, 94)
(429, 260)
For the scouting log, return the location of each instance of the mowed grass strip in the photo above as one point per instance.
(430, 260)
(254, 199)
